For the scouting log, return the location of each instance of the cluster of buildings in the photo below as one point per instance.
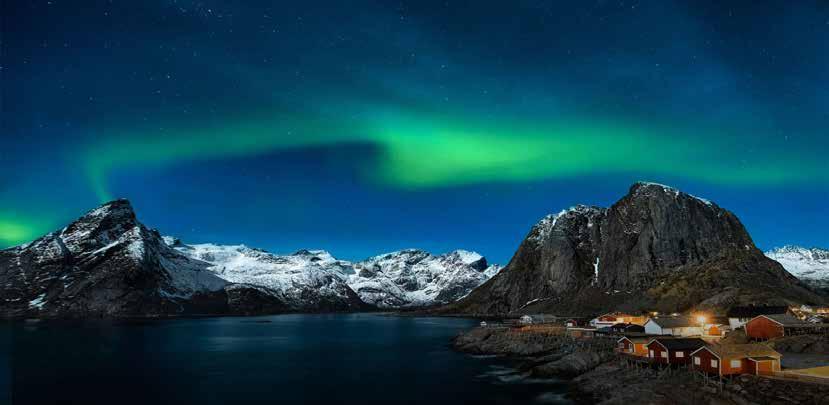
(702, 355)
(695, 341)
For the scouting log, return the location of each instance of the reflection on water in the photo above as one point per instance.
(308, 359)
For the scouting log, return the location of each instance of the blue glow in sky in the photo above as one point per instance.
(374, 126)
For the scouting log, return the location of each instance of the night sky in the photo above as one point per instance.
(361, 127)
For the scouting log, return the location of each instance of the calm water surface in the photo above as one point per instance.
(286, 359)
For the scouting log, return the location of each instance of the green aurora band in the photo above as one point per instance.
(417, 152)
(429, 150)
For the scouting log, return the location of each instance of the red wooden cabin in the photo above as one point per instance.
(766, 327)
(673, 350)
(726, 360)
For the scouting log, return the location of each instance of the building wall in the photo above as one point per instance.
(737, 322)
(687, 331)
(674, 356)
(637, 349)
(655, 351)
(763, 328)
(766, 367)
(651, 328)
(640, 349)
(736, 365)
(680, 356)
(704, 365)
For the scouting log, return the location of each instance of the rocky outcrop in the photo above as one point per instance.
(573, 364)
(616, 383)
(655, 249)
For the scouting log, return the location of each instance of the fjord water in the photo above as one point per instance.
(285, 359)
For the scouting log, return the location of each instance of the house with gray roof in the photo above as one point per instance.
(673, 326)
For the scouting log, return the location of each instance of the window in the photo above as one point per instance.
(714, 363)
(650, 353)
(736, 363)
(630, 349)
(664, 355)
(696, 360)
(680, 355)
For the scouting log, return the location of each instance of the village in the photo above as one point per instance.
(776, 345)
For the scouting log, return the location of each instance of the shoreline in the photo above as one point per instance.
(597, 374)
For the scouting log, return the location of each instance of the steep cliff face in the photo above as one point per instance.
(655, 249)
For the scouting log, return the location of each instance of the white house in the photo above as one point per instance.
(673, 326)
(525, 320)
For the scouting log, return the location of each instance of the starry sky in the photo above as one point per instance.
(361, 127)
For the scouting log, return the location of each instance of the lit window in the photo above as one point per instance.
(630, 349)
(714, 363)
(680, 354)
(664, 355)
(696, 361)
(650, 353)
(736, 363)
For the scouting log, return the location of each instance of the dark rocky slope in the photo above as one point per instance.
(655, 249)
(107, 264)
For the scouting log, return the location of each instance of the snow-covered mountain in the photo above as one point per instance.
(406, 278)
(107, 263)
(411, 277)
(810, 265)
(306, 280)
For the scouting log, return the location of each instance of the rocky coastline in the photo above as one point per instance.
(598, 375)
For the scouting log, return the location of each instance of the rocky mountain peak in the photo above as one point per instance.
(471, 259)
(104, 226)
(655, 248)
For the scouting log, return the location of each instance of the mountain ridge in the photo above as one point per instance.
(657, 248)
(108, 264)
(811, 265)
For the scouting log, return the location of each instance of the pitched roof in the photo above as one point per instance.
(743, 350)
(617, 315)
(680, 343)
(787, 320)
(638, 339)
(674, 322)
(755, 310)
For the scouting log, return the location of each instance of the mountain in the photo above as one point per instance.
(809, 265)
(407, 278)
(107, 264)
(656, 249)
(415, 278)
(308, 280)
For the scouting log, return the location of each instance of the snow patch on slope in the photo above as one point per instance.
(809, 265)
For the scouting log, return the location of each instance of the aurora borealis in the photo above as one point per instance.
(362, 127)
